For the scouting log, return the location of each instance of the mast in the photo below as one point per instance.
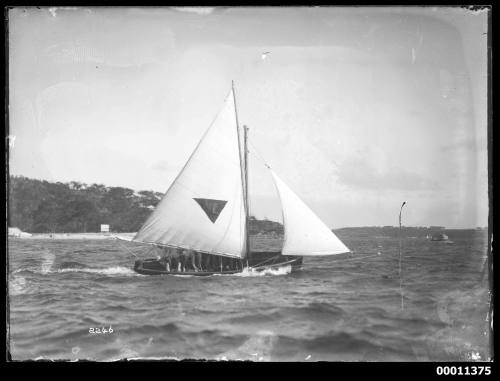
(244, 172)
(247, 209)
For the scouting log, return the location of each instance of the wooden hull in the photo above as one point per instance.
(154, 267)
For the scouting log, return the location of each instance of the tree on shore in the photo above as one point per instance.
(43, 207)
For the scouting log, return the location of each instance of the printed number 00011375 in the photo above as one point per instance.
(463, 370)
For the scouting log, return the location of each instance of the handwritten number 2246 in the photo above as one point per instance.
(99, 330)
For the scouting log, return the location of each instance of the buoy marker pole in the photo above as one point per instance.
(400, 255)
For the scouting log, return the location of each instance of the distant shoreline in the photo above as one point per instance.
(379, 231)
(90, 236)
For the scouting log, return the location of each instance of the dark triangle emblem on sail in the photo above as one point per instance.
(211, 207)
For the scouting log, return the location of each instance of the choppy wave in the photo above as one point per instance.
(115, 270)
(72, 265)
(257, 348)
(22, 285)
(249, 272)
(334, 309)
(17, 285)
(48, 261)
(43, 268)
(66, 267)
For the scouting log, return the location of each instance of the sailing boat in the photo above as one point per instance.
(206, 210)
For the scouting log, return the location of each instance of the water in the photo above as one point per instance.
(335, 309)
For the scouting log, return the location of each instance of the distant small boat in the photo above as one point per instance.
(206, 211)
(439, 237)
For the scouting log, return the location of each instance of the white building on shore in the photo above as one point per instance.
(16, 232)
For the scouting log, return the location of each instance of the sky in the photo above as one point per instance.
(356, 108)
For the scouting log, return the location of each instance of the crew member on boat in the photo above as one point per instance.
(183, 259)
(167, 252)
(205, 259)
(186, 260)
(180, 260)
(174, 259)
(190, 260)
(225, 263)
(193, 256)
(161, 256)
(208, 262)
(199, 260)
(215, 263)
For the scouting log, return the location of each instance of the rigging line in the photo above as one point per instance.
(369, 256)
(352, 259)
(150, 250)
(383, 276)
(127, 249)
(266, 164)
(285, 229)
(267, 260)
(258, 155)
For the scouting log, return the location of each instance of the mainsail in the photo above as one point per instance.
(305, 233)
(203, 209)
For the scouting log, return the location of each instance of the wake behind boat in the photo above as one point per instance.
(201, 225)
